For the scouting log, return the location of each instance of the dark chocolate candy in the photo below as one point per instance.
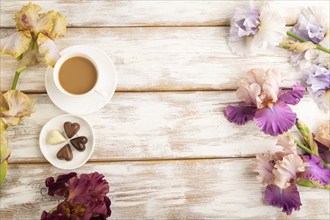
(71, 129)
(65, 153)
(79, 143)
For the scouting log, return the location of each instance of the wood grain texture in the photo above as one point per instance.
(158, 59)
(198, 189)
(144, 126)
(150, 13)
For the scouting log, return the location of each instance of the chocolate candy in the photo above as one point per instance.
(79, 143)
(71, 129)
(65, 153)
(55, 137)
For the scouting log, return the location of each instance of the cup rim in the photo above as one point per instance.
(59, 64)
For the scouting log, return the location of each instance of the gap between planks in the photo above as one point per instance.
(144, 160)
(36, 92)
(147, 26)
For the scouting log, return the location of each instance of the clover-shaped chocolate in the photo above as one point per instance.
(70, 129)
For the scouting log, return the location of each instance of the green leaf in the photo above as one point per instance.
(3, 171)
(311, 183)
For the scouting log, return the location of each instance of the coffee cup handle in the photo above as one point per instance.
(101, 93)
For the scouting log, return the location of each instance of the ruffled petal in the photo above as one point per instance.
(264, 167)
(59, 25)
(275, 119)
(271, 30)
(20, 105)
(310, 25)
(315, 171)
(27, 17)
(48, 49)
(248, 92)
(288, 199)
(243, 26)
(286, 170)
(59, 186)
(288, 144)
(323, 134)
(293, 96)
(99, 186)
(78, 189)
(44, 23)
(271, 85)
(16, 43)
(240, 114)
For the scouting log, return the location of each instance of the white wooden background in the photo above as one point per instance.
(162, 142)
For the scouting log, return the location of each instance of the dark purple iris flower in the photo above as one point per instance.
(85, 197)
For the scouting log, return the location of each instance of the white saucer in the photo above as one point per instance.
(50, 151)
(93, 101)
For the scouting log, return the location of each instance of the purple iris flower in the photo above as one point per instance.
(264, 102)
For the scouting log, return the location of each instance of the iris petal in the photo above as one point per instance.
(288, 199)
(292, 96)
(264, 167)
(240, 114)
(27, 17)
(314, 170)
(48, 49)
(275, 119)
(16, 43)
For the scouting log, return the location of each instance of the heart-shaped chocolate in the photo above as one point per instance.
(65, 153)
(55, 137)
(79, 143)
(71, 129)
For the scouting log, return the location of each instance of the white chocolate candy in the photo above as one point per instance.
(55, 137)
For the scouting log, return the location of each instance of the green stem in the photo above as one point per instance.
(303, 147)
(17, 74)
(307, 150)
(303, 40)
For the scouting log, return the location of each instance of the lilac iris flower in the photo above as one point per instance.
(308, 27)
(318, 85)
(264, 102)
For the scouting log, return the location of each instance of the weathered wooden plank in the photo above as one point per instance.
(167, 125)
(150, 13)
(198, 189)
(154, 59)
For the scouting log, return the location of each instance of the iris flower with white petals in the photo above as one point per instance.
(251, 28)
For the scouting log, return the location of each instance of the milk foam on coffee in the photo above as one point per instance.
(77, 75)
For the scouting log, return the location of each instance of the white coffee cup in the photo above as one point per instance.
(96, 88)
